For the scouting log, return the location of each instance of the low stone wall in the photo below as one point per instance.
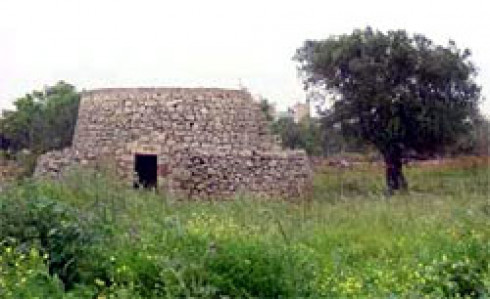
(207, 174)
(53, 164)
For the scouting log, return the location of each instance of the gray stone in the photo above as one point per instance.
(209, 142)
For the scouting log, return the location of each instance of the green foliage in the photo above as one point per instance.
(348, 241)
(458, 270)
(311, 135)
(464, 273)
(267, 109)
(42, 120)
(305, 135)
(25, 275)
(477, 141)
(26, 161)
(30, 220)
(395, 91)
(260, 270)
(289, 132)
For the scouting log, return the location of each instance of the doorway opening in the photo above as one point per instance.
(145, 167)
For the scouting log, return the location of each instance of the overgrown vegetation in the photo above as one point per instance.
(40, 121)
(305, 135)
(319, 136)
(88, 236)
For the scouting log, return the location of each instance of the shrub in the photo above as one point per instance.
(61, 232)
(462, 272)
(186, 265)
(254, 269)
(25, 275)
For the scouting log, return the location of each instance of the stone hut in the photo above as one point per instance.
(192, 142)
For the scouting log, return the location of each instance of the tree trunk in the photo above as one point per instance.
(395, 180)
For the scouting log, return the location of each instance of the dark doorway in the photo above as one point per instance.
(145, 167)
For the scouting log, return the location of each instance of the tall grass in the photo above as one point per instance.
(349, 240)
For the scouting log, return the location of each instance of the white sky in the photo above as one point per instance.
(103, 43)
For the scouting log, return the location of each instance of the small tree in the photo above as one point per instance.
(396, 91)
(42, 120)
(289, 131)
(267, 109)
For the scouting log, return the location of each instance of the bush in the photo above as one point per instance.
(25, 275)
(462, 272)
(191, 265)
(31, 221)
(239, 269)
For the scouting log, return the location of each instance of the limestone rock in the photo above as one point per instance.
(207, 142)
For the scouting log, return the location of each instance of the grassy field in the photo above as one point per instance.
(90, 237)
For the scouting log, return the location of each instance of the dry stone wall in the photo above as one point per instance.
(208, 173)
(208, 142)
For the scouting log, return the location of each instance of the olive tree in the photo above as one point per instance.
(398, 92)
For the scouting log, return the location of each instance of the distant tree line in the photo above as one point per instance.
(321, 136)
(311, 134)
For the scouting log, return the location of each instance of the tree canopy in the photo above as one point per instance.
(397, 91)
(42, 120)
